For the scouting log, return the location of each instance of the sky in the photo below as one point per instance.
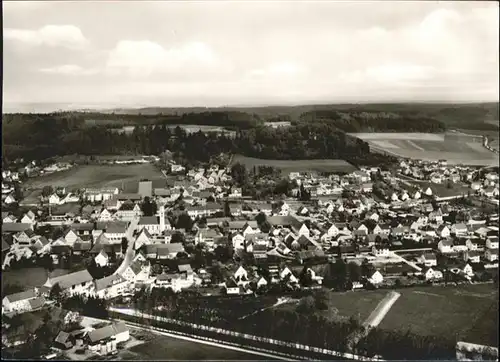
(214, 53)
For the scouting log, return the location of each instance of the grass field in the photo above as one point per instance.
(469, 311)
(29, 277)
(427, 146)
(332, 165)
(98, 176)
(167, 348)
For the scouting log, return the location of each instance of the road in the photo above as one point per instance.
(130, 253)
(400, 258)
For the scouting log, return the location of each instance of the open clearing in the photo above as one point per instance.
(427, 146)
(333, 165)
(98, 176)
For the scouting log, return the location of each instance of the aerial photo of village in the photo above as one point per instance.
(250, 180)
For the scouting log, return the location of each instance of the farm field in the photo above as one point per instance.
(98, 176)
(332, 165)
(469, 312)
(29, 277)
(168, 348)
(430, 147)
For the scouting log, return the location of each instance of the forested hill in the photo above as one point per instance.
(45, 136)
(404, 117)
(461, 115)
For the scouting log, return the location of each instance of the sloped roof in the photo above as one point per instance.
(68, 280)
(14, 227)
(87, 226)
(107, 332)
(25, 295)
(148, 220)
(108, 281)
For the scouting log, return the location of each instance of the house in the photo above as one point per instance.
(241, 276)
(115, 231)
(111, 286)
(137, 271)
(429, 259)
(105, 215)
(102, 259)
(128, 211)
(78, 282)
(376, 278)
(381, 251)
(491, 255)
(492, 242)
(443, 231)
(432, 274)
(169, 251)
(261, 282)
(287, 274)
(235, 192)
(20, 302)
(10, 199)
(150, 223)
(231, 287)
(459, 229)
(9, 218)
(117, 333)
(64, 340)
(472, 256)
(177, 281)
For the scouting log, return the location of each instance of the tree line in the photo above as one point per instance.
(44, 137)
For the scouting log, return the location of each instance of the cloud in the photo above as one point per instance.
(389, 73)
(278, 70)
(143, 58)
(69, 69)
(68, 36)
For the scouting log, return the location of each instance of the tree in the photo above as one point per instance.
(321, 299)
(354, 271)
(239, 174)
(124, 245)
(178, 237)
(305, 277)
(56, 292)
(306, 305)
(148, 207)
(47, 191)
(184, 221)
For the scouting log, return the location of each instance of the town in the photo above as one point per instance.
(419, 223)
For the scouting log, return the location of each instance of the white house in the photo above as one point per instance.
(150, 223)
(20, 302)
(492, 242)
(241, 276)
(137, 271)
(376, 278)
(381, 252)
(111, 286)
(287, 273)
(443, 231)
(102, 259)
(429, 259)
(445, 246)
(105, 215)
(491, 255)
(79, 282)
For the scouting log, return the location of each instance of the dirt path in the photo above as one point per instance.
(381, 310)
